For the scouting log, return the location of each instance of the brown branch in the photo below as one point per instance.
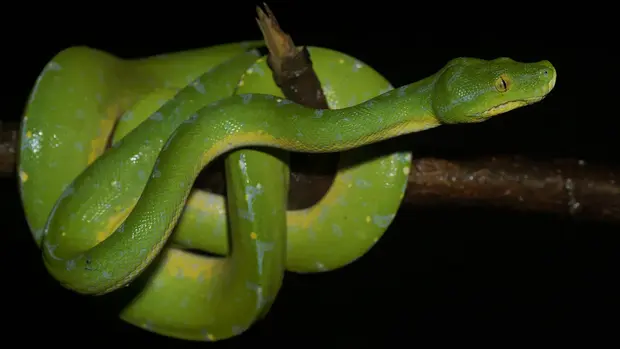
(291, 65)
(567, 187)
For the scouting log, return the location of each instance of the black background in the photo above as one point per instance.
(441, 274)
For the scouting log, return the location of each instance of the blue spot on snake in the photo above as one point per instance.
(191, 119)
(256, 68)
(336, 230)
(199, 87)
(284, 102)
(157, 116)
(363, 183)
(127, 116)
(382, 221)
(261, 248)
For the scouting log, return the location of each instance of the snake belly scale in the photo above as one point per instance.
(101, 216)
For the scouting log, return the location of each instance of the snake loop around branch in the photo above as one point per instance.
(102, 216)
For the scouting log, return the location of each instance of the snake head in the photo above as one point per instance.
(470, 90)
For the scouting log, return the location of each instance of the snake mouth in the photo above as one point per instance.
(506, 107)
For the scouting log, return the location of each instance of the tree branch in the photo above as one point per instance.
(291, 65)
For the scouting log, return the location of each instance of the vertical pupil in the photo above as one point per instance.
(502, 84)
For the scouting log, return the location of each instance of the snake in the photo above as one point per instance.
(110, 148)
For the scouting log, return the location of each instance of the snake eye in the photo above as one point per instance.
(502, 83)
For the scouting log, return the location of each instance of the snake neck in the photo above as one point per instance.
(292, 127)
(404, 110)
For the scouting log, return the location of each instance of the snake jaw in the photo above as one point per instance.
(506, 107)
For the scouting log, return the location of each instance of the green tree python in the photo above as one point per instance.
(102, 214)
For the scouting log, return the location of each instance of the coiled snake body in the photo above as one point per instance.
(102, 216)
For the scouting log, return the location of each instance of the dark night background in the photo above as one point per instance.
(440, 274)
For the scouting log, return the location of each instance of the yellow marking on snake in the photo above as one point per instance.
(192, 266)
(106, 125)
(404, 127)
(304, 218)
(240, 139)
(113, 222)
(205, 202)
